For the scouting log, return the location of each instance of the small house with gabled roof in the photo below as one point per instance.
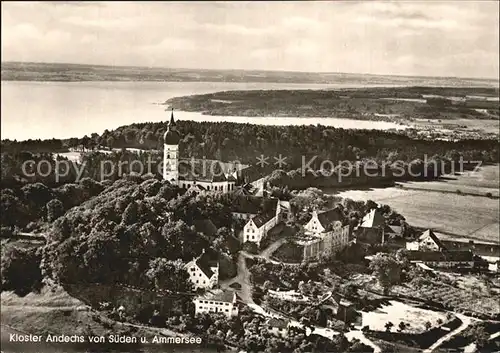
(426, 241)
(203, 271)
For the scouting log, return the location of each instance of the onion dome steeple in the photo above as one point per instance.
(172, 136)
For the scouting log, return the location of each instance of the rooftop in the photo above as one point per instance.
(246, 203)
(430, 233)
(441, 256)
(205, 262)
(373, 219)
(329, 216)
(263, 218)
(219, 295)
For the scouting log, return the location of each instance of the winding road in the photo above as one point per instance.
(245, 294)
(466, 321)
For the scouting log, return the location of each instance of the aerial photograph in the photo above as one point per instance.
(247, 177)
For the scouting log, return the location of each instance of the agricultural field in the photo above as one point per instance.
(414, 317)
(473, 217)
(461, 300)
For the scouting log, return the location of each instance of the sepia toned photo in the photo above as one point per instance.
(250, 177)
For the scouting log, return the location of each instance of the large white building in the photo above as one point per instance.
(217, 301)
(327, 232)
(203, 272)
(257, 227)
(194, 175)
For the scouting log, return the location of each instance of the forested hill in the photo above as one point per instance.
(245, 143)
(370, 103)
(135, 232)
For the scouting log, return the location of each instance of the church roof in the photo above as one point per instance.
(201, 170)
(373, 219)
(171, 136)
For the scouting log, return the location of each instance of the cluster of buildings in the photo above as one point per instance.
(429, 250)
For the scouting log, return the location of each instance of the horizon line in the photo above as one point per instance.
(252, 70)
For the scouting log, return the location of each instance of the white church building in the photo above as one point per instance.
(193, 175)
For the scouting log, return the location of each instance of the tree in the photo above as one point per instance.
(55, 209)
(387, 269)
(20, 270)
(428, 325)
(169, 275)
(401, 326)
(480, 336)
(388, 326)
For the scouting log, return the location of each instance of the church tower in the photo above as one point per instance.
(171, 140)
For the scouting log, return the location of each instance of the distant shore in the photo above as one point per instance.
(59, 72)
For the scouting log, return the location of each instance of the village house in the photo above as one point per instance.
(203, 272)
(278, 327)
(258, 226)
(217, 301)
(426, 241)
(327, 232)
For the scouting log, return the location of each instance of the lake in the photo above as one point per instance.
(44, 110)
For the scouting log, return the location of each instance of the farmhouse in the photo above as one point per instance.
(217, 301)
(426, 241)
(203, 271)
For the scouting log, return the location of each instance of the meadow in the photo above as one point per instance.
(450, 213)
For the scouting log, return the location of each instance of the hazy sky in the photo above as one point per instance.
(453, 38)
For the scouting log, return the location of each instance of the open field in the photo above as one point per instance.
(397, 312)
(485, 125)
(467, 216)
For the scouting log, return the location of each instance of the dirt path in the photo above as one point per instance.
(466, 321)
(269, 251)
(243, 278)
